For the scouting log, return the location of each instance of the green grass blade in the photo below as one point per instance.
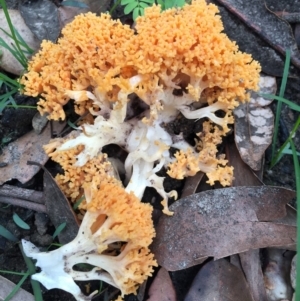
(20, 56)
(114, 6)
(23, 43)
(6, 46)
(292, 105)
(6, 99)
(279, 105)
(13, 273)
(19, 38)
(76, 205)
(36, 288)
(12, 101)
(21, 106)
(71, 125)
(283, 147)
(7, 234)
(289, 152)
(32, 270)
(6, 96)
(17, 287)
(12, 83)
(297, 174)
(10, 25)
(19, 222)
(59, 229)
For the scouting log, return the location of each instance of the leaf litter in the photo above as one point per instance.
(254, 122)
(219, 280)
(27, 148)
(222, 222)
(162, 288)
(231, 213)
(271, 28)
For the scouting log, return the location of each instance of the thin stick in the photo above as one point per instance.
(23, 203)
(22, 193)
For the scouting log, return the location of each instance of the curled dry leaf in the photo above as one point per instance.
(275, 31)
(254, 124)
(219, 280)
(162, 287)
(8, 61)
(222, 222)
(29, 147)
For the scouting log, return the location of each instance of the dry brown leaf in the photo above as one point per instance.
(219, 280)
(243, 174)
(220, 223)
(278, 33)
(59, 209)
(162, 288)
(290, 218)
(191, 184)
(248, 261)
(251, 265)
(254, 124)
(27, 148)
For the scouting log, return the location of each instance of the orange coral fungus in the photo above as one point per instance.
(81, 59)
(114, 238)
(174, 49)
(74, 179)
(189, 162)
(175, 61)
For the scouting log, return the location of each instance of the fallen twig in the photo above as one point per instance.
(23, 203)
(22, 193)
